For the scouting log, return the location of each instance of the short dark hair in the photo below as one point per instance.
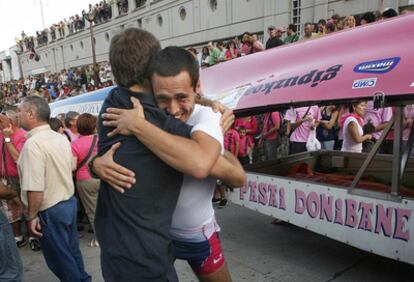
(40, 106)
(389, 13)
(86, 124)
(55, 124)
(69, 117)
(292, 27)
(129, 55)
(330, 26)
(322, 22)
(335, 17)
(173, 60)
(369, 17)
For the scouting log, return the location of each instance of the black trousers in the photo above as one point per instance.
(297, 147)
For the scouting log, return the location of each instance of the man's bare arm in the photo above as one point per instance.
(194, 157)
(34, 199)
(229, 170)
(6, 193)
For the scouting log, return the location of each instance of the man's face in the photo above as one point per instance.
(321, 27)
(24, 116)
(308, 30)
(175, 94)
(4, 121)
(279, 34)
(271, 32)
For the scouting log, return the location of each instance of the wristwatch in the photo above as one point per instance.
(7, 140)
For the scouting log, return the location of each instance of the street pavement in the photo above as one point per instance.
(257, 250)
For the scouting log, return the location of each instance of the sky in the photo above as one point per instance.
(19, 15)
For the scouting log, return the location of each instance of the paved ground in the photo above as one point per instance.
(259, 251)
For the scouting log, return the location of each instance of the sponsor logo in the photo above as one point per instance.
(215, 261)
(364, 83)
(312, 78)
(378, 66)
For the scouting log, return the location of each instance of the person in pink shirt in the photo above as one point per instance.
(246, 45)
(231, 51)
(379, 118)
(271, 125)
(245, 146)
(83, 149)
(251, 127)
(231, 144)
(231, 141)
(407, 125)
(302, 121)
(12, 140)
(256, 44)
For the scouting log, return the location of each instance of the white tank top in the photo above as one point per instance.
(349, 145)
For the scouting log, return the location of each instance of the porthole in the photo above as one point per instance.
(159, 20)
(213, 5)
(183, 13)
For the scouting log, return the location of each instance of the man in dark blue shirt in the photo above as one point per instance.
(133, 227)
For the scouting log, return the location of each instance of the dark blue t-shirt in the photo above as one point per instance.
(133, 228)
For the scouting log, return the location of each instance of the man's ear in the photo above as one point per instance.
(198, 88)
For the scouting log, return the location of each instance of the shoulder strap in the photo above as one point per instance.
(85, 160)
(307, 112)
(3, 152)
(67, 135)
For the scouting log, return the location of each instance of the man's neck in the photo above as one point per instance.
(36, 124)
(139, 89)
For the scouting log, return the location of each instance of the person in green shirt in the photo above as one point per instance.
(214, 53)
(292, 35)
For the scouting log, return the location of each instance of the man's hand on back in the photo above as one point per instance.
(124, 120)
(117, 176)
(227, 118)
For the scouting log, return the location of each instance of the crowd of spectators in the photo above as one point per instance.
(100, 12)
(248, 43)
(122, 6)
(58, 86)
(266, 137)
(347, 127)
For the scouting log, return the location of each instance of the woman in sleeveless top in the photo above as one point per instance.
(353, 128)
